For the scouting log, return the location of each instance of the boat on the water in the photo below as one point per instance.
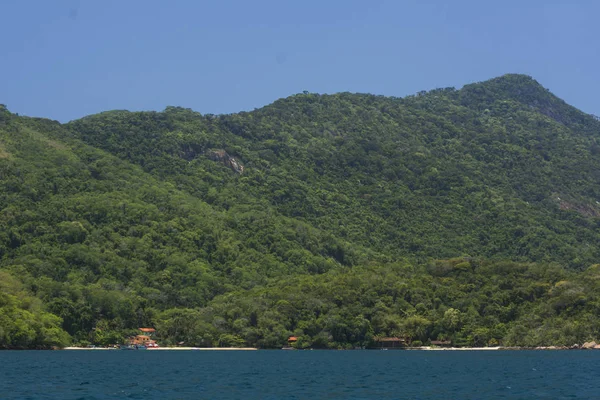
(133, 347)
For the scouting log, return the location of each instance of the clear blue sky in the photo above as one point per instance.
(64, 59)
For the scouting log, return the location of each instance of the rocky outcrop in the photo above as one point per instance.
(224, 158)
(587, 210)
(589, 345)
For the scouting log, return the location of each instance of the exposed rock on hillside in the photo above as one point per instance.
(227, 160)
(584, 209)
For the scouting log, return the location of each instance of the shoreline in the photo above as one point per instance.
(496, 348)
(422, 348)
(170, 348)
(430, 348)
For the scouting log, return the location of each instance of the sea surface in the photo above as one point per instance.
(300, 374)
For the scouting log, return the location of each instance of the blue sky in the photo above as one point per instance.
(64, 59)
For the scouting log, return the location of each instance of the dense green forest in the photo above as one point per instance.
(470, 215)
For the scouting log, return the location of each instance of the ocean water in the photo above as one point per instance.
(299, 375)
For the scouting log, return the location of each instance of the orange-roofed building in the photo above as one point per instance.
(144, 340)
(292, 339)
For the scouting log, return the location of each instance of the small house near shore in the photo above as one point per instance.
(391, 342)
(145, 339)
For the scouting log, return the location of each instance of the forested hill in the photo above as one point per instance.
(471, 215)
(501, 169)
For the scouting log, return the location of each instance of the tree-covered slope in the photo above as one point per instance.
(501, 169)
(465, 301)
(97, 239)
(471, 215)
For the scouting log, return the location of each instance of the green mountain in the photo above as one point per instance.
(470, 215)
(501, 169)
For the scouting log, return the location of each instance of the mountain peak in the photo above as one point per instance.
(519, 87)
(526, 90)
(515, 79)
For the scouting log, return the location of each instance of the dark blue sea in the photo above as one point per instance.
(299, 375)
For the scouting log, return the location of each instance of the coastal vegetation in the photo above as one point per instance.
(468, 215)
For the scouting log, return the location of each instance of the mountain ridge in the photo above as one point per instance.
(125, 219)
(285, 130)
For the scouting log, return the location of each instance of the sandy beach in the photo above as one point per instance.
(422, 348)
(89, 348)
(169, 348)
(430, 348)
(204, 348)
